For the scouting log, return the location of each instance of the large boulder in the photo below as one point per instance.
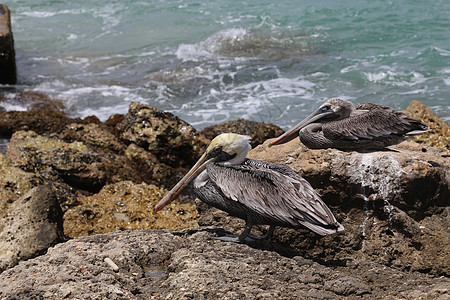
(32, 224)
(74, 163)
(192, 265)
(14, 183)
(394, 205)
(38, 121)
(173, 141)
(127, 206)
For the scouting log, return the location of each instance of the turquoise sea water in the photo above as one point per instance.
(213, 61)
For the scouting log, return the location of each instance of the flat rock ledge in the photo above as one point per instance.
(151, 264)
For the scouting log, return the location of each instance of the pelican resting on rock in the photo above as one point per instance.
(256, 191)
(337, 124)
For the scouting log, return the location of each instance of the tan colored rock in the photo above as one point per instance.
(127, 206)
(439, 135)
(39, 121)
(173, 141)
(96, 136)
(151, 169)
(8, 74)
(391, 203)
(33, 223)
(192, 265)
(14, 183)
(74, 163)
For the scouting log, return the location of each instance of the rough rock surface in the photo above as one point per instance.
(38, 121)
(8, 74)
(439, 135)
(33, 224)
(257, 130)
(161, 265)
(173, 141)
(127, 206)
(75, 163)
(394, 205)
(14, 183)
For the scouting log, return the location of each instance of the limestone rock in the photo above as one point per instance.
(392, 204)
(73, 163)
(173, 141)
(96, 136)
(257, 130)
(8, 74)
(162, 265)
(148, 165)
(439, 135)
(38, 121)
(14, 183)
(126, 206)
(33, 223)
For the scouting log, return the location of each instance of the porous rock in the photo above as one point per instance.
(14, 183)
(439, 134)
(393, 204)
(162, 265)
(258, 131)
(127, 206)
(173, 141)
(33, 223)
(75, 163)
(37, 121)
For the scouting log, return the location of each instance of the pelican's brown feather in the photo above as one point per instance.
(375, 122)
(286, 198)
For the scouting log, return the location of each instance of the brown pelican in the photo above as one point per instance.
(256, 191)
(337, 124)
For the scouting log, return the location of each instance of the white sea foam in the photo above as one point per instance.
(208, 48)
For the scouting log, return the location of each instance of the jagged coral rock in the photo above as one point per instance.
(126, 206)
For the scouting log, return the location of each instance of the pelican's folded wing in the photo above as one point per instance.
(276, 193)
(373, 121)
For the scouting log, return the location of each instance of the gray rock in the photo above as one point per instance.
(33, 223)
(394, 205)
(163, 265)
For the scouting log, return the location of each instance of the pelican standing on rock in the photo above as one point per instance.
(337, 124)
(258, 192)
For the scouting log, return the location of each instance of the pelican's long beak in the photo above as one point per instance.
(293, 132)
(199, 166)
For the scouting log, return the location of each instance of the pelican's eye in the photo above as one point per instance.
(220, 155)
(325, 108)
(215, 151)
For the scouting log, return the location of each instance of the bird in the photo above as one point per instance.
(338, 124)
(259, 192)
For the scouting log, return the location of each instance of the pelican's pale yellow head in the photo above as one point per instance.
(229, 148)
(226, 148)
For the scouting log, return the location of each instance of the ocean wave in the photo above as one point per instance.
(240, 43)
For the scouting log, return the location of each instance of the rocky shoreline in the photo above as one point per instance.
(74, 192)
